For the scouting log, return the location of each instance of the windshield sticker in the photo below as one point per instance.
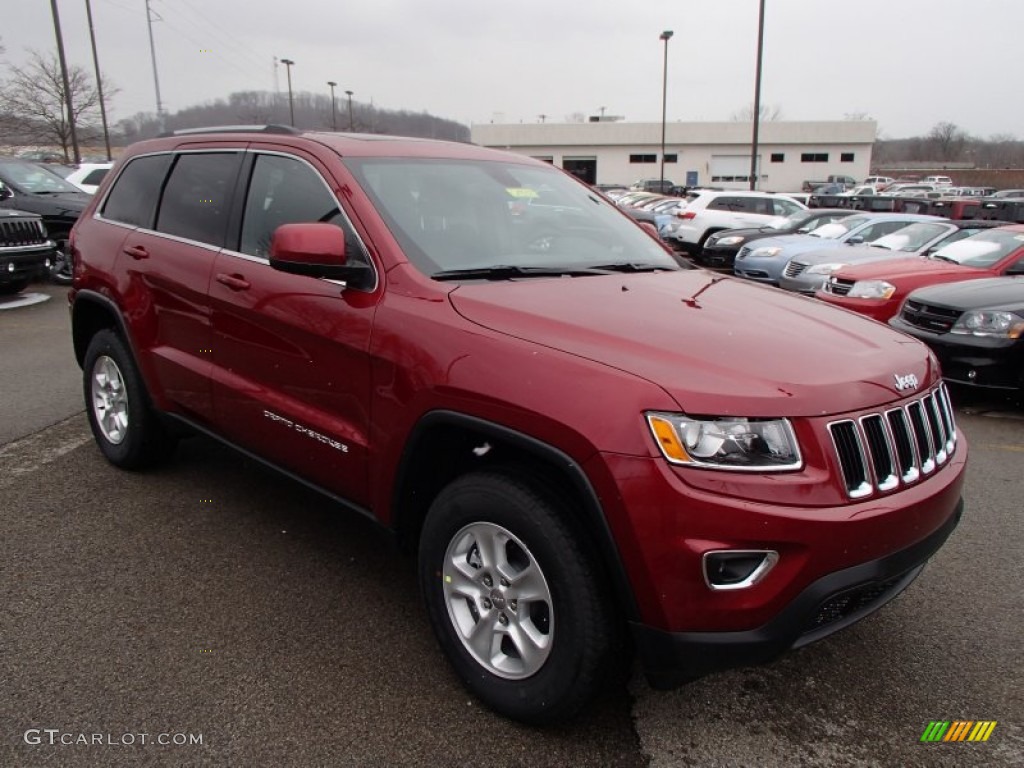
(521, 192)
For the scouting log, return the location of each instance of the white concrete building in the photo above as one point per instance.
(708, 154)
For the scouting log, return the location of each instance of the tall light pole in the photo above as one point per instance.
(288, 63)
(99, 80)
(334, 111)
(156, 80)
(67, 86)
(757, 99)
(351, 124)
(666, 36)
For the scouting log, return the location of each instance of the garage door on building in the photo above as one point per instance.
(726, 168)
(585, 168)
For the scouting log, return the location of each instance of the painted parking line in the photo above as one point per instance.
(23, 300)
(29, 454)
(999, 447)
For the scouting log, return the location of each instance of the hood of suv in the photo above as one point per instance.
(718, 345)
(994, 293)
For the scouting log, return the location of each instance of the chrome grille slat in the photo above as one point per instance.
(879, 452)
(18, 232)
(795, 269)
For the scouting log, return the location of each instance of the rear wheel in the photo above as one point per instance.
(123, 422)
(516, 603)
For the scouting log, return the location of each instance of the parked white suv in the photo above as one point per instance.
(707, 212)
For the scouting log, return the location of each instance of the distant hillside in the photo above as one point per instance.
(312, 111)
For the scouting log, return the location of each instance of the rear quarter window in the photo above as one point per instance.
(135, 193)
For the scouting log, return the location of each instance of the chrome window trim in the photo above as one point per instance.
(244, 150)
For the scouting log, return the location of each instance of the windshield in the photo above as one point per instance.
(469, 215)
(836, 229)
(33, 179)
(792, 221)
(983, 249)
(911, 238)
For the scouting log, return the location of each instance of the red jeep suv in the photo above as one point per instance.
(576, 435)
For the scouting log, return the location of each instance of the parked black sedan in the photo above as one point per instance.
(720, 249)
(975, 328)
(29, 187)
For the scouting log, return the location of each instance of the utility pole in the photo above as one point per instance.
(757, 100)
(334, 110)
(288, 64)
(666, 36)
(67, 85)
(156, 80)
(99, 80)
(351, 122)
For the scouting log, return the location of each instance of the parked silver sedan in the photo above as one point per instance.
(810, 271)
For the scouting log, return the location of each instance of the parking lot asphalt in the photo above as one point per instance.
(212, 598)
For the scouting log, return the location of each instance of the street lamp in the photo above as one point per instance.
(350, 122)
(666, 36)
(757, 99)
(288, 63)
(334, 111)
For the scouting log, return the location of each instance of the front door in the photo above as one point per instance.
(291, 365)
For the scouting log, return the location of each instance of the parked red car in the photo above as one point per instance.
(879, 288)
(581, 439)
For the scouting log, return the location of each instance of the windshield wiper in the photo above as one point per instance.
(943, 258)
(509, 271)
(633, 266)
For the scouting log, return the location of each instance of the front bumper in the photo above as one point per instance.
(803, 283)
(828, 605)
(972, 360)
(19, 263)
(716, 258)
(876, 309)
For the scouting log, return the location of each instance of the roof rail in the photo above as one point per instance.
(272, 128)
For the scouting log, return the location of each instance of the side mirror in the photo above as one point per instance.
(315, 250)
(856, 240)
(5, 192)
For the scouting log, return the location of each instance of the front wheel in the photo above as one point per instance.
(516, 603)
(125, 426)
(61, 266)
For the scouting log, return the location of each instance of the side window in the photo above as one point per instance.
(760, 205)
(136, 191)
(875, 231)
(284, 190)
(726, 204)
(196, 201)
(95, 176)
(785, 207)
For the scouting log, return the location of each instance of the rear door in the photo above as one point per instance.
(167, 262)
(292, 372)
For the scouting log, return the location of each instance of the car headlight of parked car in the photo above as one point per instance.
(728, 442)
(766, 252)
(1003, 325)
(824, 269)
(728, 240)
(872, 289)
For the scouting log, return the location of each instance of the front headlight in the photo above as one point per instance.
(766, 253)
(730, 240)
(872, 289)
(727, 442)
(824, 269)
(1003, 325)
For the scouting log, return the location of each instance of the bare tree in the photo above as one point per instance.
(769, 113)
(947, 140)
(34, 93)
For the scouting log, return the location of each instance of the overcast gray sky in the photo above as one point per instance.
(907, 63)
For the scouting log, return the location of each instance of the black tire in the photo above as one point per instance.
(61, 269)
(137, 440)
(575, 612)
(10, 289)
